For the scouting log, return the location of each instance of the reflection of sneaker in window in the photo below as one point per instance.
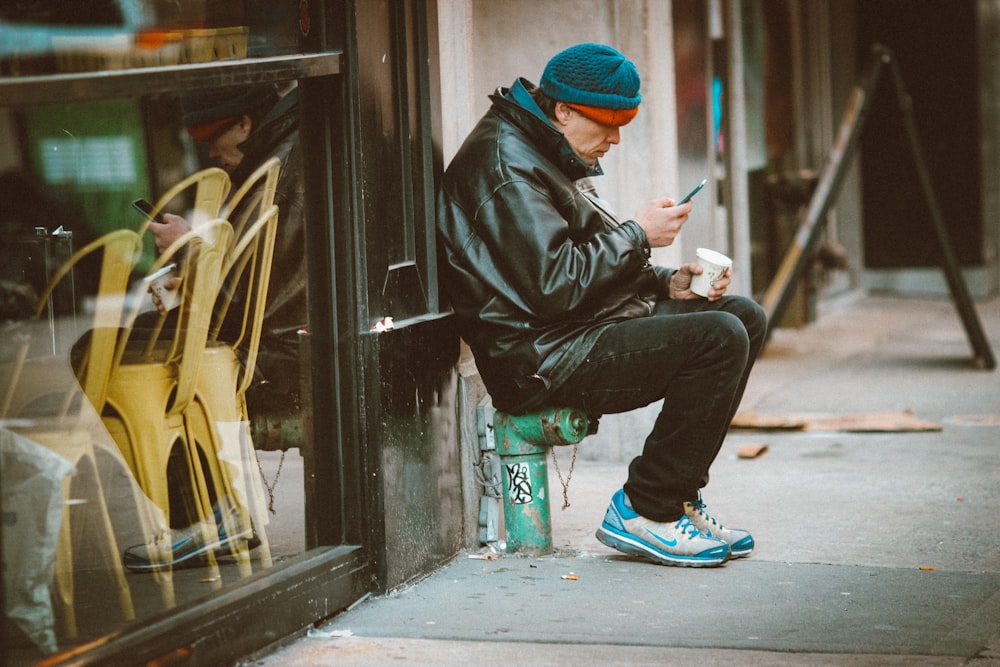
(676, 543)
(188, 546)
(740, 541)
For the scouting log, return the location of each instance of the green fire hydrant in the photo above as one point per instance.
(522, 443)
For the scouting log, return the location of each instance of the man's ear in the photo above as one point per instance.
(562, 112)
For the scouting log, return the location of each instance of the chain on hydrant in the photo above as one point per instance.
(569, 475)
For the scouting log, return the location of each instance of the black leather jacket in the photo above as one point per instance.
(277, 134)
(534, 266)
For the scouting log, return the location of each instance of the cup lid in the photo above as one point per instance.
(713, 256)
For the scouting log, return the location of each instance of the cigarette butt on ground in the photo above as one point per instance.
(752, 451)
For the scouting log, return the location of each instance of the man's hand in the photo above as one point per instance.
(164, 234)
(680, 283)
(168, 231)
(170, 284)
(662, 221)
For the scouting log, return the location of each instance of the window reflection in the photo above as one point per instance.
(154, 454)
(50, 36)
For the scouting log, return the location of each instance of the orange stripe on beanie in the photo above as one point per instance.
(207, 131)
(206, 112)
(610, 117)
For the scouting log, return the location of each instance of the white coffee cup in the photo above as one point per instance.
(169, 298)
(714, 265)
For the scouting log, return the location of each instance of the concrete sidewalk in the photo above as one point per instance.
(873, 548)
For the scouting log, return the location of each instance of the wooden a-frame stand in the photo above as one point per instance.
(813, 220)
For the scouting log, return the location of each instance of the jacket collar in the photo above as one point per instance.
(516, 105)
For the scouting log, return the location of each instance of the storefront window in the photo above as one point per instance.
(63, 36)
(149, 458)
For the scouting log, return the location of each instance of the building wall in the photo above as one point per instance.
(948, 61)
(989, 84)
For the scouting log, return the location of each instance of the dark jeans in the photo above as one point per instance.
(696, 356)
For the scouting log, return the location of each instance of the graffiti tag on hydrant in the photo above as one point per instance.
(519, 483)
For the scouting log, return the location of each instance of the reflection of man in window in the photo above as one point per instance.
(238, 129)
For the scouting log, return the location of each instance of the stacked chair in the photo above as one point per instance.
(163, 384)
(186, 386)
(224, 378)
(55, 406)
(152, 381)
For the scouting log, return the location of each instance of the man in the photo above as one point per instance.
(561, 306)
(238, 129)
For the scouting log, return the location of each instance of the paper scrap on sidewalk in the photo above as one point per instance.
(316, 633)
(888, 422)
(751, 451)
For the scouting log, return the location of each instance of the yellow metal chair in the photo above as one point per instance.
(254, 196)
(220, 413)
(120, 251)
(153, 379)
(70, 427)
(211, 185)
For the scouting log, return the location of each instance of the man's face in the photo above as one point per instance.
(589, 139)
(223, 149)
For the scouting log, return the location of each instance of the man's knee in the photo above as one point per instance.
(729, 333)
(750, 313)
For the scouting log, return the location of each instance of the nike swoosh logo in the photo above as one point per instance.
(672, 542)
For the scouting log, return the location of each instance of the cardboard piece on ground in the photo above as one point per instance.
(751, 451)
(858, 423)
(752, 421)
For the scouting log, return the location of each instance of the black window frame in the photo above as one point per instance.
(335, 569)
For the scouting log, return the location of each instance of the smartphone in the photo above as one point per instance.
(146, 209)
(693, 192)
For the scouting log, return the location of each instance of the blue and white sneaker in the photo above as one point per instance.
(677, 543)
(187, 547)
(740, 541)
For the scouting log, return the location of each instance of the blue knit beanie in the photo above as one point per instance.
(593, 75)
